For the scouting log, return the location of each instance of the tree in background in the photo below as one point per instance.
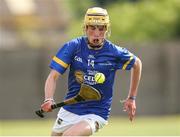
(142, 21)
(107, 2)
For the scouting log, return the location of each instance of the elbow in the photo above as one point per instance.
(54, 75)
(138, 64)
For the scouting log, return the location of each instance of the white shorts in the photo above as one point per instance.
(66, 119)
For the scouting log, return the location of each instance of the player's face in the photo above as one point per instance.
(96, 34)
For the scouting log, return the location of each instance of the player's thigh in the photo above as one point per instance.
(82, 128)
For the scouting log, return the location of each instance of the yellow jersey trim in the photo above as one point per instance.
(127, 63)
(60, 62)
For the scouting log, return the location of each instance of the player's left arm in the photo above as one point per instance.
(130, 104)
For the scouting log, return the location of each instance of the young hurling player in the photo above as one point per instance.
(85, 56)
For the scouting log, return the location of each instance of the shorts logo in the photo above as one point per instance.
(59, 121)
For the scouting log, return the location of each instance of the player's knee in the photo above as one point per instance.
(80, 129)
(93, 125)
(70, 133)
(77, 132)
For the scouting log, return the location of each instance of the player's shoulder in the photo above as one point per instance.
(114, 47)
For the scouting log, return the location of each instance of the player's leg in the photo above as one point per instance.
(63, 122)
(82, 128)
(56, 134)
(60, 126)
(68, 123)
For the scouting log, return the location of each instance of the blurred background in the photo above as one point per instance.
(31, 32)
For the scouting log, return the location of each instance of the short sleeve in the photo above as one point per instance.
(63, 58)
(126, 59)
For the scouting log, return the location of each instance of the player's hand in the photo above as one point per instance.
(130, 108)
(46, 106)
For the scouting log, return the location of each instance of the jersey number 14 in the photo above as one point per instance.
(91, 63)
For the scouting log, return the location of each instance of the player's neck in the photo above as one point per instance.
(95, 47)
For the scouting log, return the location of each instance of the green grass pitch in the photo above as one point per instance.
(118, 126)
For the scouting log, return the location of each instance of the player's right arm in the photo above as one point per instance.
(58, 65)
(50, 87)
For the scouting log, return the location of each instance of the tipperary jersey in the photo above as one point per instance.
(83, 64)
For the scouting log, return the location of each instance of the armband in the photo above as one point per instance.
(49, 99)
(132, 97)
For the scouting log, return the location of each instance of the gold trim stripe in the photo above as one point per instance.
(127, 63)
(59, 61)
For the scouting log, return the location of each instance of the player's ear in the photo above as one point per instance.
(86, 27)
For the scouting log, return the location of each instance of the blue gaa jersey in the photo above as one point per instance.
(84, 63)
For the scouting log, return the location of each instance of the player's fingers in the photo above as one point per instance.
(131, 117)
(132, 113)
(125, 107)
